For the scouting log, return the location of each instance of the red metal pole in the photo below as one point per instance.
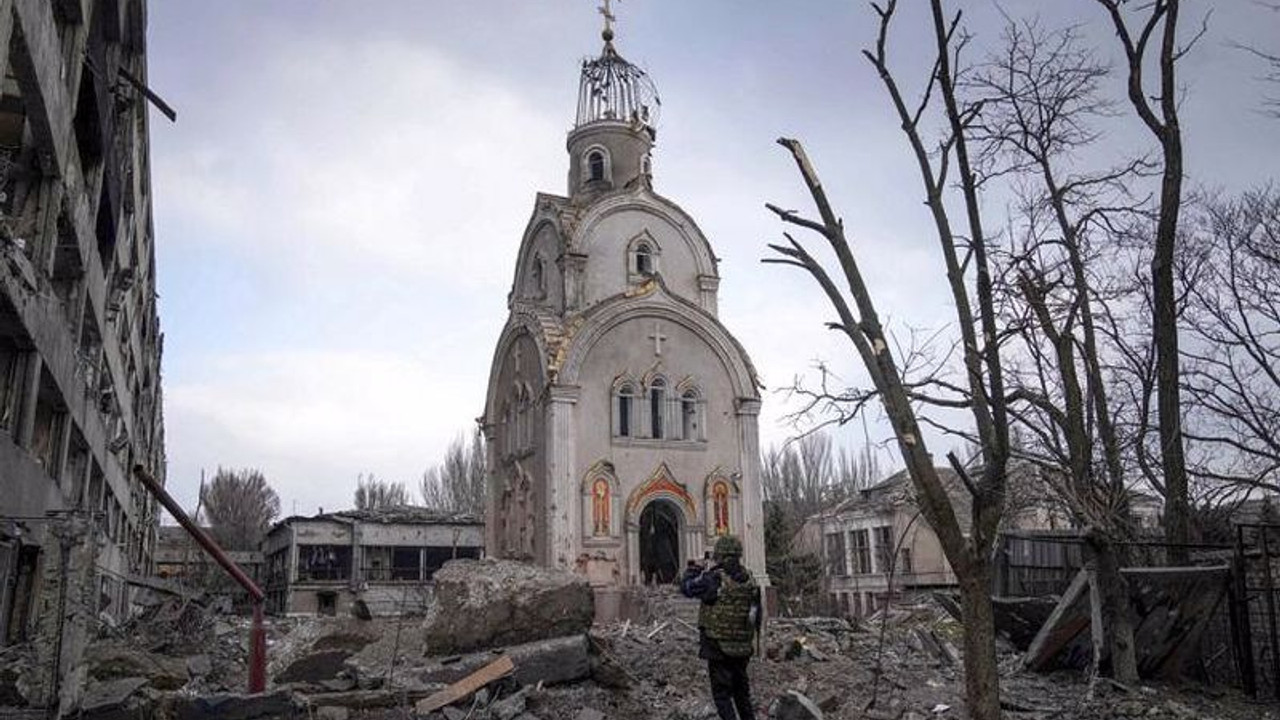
(257, 652)
(257, 635)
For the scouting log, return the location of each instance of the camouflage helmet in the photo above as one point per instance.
(728, 545)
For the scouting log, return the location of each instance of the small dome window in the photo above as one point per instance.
(595, 165)
(644, 259)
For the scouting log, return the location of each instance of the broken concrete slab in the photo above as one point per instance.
(199, 665)
(492, 603)
(233, 706)
(108, 661)
(549, 662)
(109, 700)
(794, 706)
(511, 706)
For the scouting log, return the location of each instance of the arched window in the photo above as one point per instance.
(595, 165)
(689, 422)
(508, 429)
(626, 409)
(657, 405)
(539, 277)
(644, 259)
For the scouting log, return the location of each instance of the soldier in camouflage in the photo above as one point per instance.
(728, 621)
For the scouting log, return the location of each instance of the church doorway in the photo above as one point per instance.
(659, 543)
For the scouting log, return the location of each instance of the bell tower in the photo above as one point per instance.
(609, 146)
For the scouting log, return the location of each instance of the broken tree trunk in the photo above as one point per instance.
(981, 675)
(1113, 624)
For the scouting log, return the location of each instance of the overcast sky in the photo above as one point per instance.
(339, 206)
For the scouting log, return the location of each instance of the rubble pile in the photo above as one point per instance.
(488, 603)
(185, 661)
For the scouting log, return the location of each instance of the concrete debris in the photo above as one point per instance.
(492, 603)
(199, 665)
(794, 706)
(345, 669)
(233, 706)
(110, 700)
(115, 661)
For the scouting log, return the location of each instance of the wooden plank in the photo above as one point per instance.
(1051, 637)
(495, 670)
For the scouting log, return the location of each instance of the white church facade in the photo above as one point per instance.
(621, 415)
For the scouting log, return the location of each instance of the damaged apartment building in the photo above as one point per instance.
(80, 342)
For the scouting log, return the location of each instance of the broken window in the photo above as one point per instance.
(595, 165)
(436, 557)
(384, 563)
(625, 407)
(77, 466)
(644, 259)
(22, 595)
(13, 362)
(51, 420)
(327, 603)
(657, 405)
(836, 555)
(21, 178)
(690, 412)
(324, 562)
(860, 541)
(884, 548)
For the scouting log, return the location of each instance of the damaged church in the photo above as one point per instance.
(621, 415)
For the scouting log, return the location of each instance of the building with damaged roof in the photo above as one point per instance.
(382, 558)
(877, 544)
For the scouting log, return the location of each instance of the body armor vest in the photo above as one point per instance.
(728, 619)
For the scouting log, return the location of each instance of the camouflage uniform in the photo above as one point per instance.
(727, 623)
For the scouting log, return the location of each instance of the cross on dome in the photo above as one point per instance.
(609, 18)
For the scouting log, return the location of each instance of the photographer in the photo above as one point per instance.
(728, 621)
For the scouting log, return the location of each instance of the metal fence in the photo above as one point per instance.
(1256, 606)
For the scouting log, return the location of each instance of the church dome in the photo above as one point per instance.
(613, 89)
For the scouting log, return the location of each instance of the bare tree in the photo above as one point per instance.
(1041, 96)
(372, 493)
(1271, 60)
(457, 484)
(965, 255)
(809, 474)
(1232, 358)
(239, 505)
(1158, 20)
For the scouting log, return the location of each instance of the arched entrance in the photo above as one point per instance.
(659, 542)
